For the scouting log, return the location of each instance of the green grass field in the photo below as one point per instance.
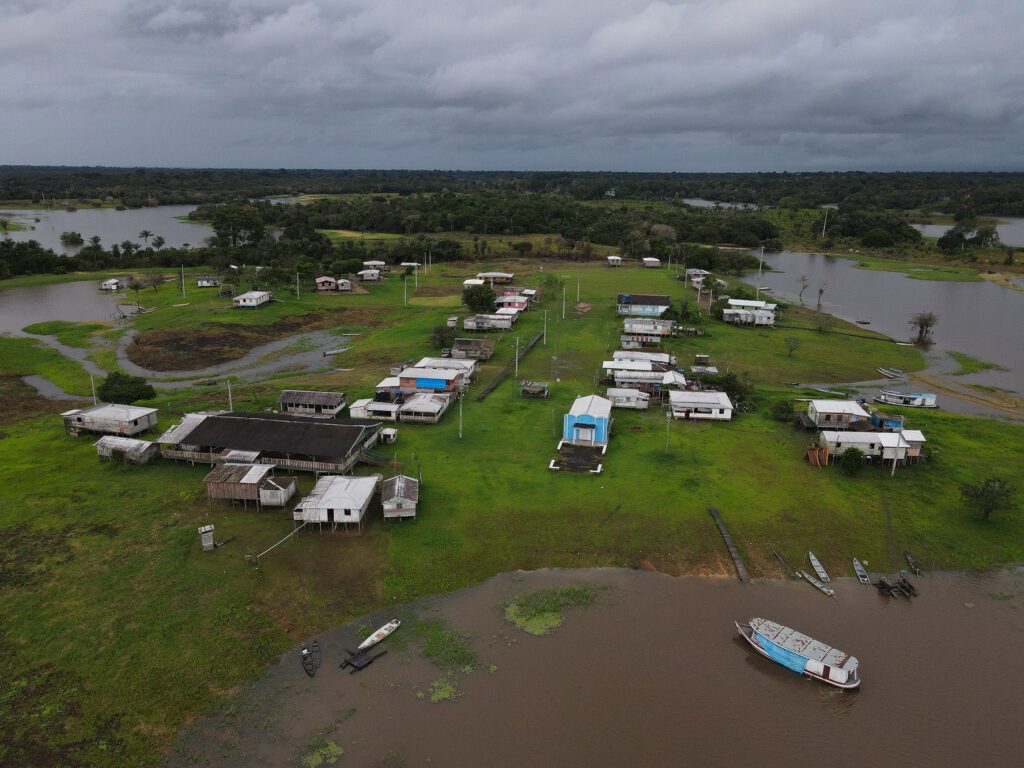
(117, 630)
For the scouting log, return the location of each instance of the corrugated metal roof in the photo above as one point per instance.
(310, 397)
(430, 373)
(652, 299)
(339, 492)
(687, 399)
(247, 474)
(851, 407)
(591, 405)
(281, 433)
(401, 487)
(112, 412)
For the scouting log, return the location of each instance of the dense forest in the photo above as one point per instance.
(983, 192)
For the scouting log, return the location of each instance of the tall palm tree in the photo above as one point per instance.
(94, 241)
(145, 235)
(158, 242)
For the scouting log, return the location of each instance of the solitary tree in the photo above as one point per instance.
(989, 495)
(125, 389)
(792, 344)
(145, 235)
(804, 282)
(136, 285)
(159, 242)
(851, 461)
(924, 322)
(479, 298)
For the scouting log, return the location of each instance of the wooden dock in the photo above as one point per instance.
(741, 569)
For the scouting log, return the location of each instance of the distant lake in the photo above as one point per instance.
(1011, 231)
(111, 225)
(981, 319)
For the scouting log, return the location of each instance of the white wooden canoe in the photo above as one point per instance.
(818, 569)
(380, 634)
(861, 572)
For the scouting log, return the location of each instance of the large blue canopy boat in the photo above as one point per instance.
(801, 653)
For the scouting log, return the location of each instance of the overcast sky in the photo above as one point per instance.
(499, 84)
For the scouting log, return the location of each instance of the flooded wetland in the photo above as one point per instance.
(652, 672)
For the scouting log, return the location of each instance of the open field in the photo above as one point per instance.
(100, 565)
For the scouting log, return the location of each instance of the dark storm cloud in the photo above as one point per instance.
(708, 84)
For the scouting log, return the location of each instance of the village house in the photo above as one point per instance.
(251, 299)
(432, 380)
(749, 312)
(368, 408)
(915, 443)
(885, 446)
(496, 278)
(642, 304)
(399, 497)
(302, 402)
(649, 262)
(337, 500)
(614, 261)
(696, 274)
(113, 284)
(628, 398)
(369, 275)
(468, 367)
(424, 407)
(640, 332)
(109, 419)
(472, 349)
(249, 482)
(326, 284)
(288, 441)
(509, 312)
(836, 414)
(700, 405)
(125, 449)
(207, 281)
(377, 264)
(512, 301)
(588, 422)
(488, 322)
(470, 281)
(662, 358)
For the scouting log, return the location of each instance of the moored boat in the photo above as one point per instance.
(800, 653)
(379, 635)
(818, 584)
(818, 568)
(861, 572)
(310, 655)
(907, 399)
(912, 562)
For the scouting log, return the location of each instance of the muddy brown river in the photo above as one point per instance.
(654, 674)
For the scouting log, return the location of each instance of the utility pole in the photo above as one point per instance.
(668, 421)
(563, 302)
(577, 290)
(760, 264)
(93, 382)
(460, 417)
(405, 282)
(517, 359)
(823, 224)
(296, 285)
(183, 281)
(231, 404)
(545, 327)
(899, 440)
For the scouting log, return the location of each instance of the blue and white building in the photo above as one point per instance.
(588, 422)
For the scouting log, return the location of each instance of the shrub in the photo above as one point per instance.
(851, 461)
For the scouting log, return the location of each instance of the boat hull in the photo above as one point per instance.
(747, 633)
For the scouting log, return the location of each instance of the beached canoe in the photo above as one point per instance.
(862, 574)
(379, 635)
(818, 568)
(818, 584)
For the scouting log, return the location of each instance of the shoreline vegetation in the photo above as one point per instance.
(109, 553)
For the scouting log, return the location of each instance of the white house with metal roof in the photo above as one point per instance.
(887, 446)
(251, 299)
(399, 497)
(700, 405)
(109, 418)
(337, 500)
(836, 414)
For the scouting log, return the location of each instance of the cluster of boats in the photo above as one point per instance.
(814, 658)
(364, 655)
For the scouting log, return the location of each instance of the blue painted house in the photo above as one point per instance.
(588, 422)
(642, 304)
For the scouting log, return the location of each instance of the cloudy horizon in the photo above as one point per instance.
(733, 85)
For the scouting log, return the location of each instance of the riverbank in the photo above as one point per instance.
(674, 679)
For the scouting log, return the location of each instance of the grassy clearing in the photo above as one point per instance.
(103, 562)
(71, 334)
(970, 364)
(542, 611)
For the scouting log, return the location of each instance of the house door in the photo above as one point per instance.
(584, 434)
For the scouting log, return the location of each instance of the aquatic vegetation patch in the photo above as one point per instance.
(322, 752)
(447, 648)
(542, 611)
(445, 689)
(970, 364)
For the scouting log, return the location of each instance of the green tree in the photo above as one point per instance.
(479, 298)
(990, 495)
(443, 337)
(144, 235)
(124, 389)
(71, 238)
(792, 344)
(924, 322)
(851, 461)
(235, 225)
(159, 242)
